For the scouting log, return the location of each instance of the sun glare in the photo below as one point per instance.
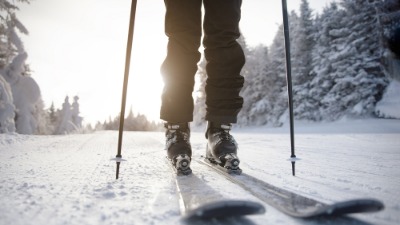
(145, 83)
(148, 52)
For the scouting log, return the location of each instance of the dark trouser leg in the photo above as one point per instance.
(183, 28)
(225, 59)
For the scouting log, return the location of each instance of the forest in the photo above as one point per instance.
(342, 66)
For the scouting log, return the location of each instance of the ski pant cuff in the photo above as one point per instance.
(221, 119)
(175, 119)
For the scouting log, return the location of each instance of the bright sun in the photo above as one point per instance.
(145, 86)
(145, 82)
(148, 52)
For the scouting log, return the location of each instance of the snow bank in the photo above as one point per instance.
(6, 140)
(389, 106)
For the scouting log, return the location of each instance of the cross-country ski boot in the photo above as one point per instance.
(222, 147)
(179, 150)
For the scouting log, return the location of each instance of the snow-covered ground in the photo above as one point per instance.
(71, 180)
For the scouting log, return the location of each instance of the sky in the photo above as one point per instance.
(77, 47)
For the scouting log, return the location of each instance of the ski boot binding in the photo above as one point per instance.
(179, 151)
(181, 164)
(222, 148)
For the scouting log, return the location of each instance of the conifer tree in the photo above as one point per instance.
(303, 43)
(65, 124)
(30, 115)
(76, 118)
(7, 108)
(199, 111)
(271, 88)
(323, 70)
(358, 79)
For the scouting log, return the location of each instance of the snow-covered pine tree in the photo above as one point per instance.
(7, 108)
(65, 124)
(388, 12)
(388, 20)
(357, 80)
(130, 122)
(302, 38)
(142, 122)
(298, 48)
(112, 124)
(76, 118)
(10, 44)
(30, 114)
(53, 118)
(99, 126)
(43, 119)
(26, 95)
(322, 71)
(253, 71)
(199, 111)
(272, 86)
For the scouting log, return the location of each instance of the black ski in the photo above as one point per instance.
(294, 204)
(197, 200)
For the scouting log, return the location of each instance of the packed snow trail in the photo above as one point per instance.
(71, 179)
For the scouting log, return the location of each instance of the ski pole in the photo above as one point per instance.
(289, 82)
(125, 84)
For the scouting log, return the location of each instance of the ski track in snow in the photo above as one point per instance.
(71, 179)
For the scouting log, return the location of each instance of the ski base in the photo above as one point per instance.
(296, 205)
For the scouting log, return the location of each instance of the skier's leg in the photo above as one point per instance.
(225, 59)
(183, 28)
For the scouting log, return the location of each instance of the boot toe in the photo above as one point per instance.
(224, 149)
(179, 149)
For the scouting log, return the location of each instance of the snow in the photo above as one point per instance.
(389, 106)
(70, 179)
(7, 108)
(25, 94)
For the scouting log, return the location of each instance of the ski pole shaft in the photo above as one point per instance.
(289, 81)
(125, 83)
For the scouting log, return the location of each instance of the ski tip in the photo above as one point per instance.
(345, 208)
(362, 205)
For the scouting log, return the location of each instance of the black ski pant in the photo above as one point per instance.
(224, 57)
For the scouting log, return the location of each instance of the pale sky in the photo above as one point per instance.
(77, 47)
